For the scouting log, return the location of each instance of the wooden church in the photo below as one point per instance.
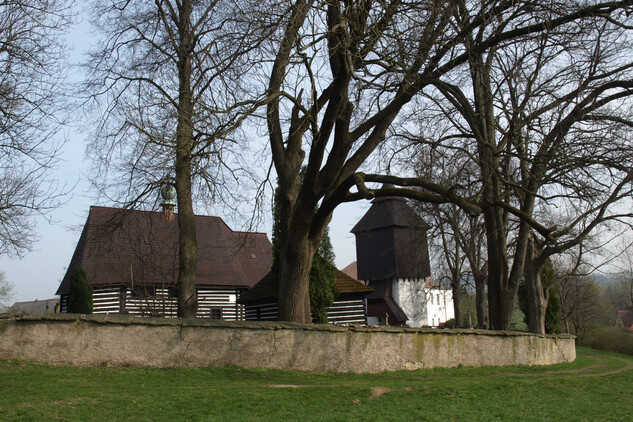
(393, 258)
(131, 262)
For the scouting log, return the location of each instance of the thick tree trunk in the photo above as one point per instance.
(501, 314)
(457, 304)
(188, 246)
(296, 252)
(187, 243)
(500, 294)
(501, 291)
(481, 302)
(503, 287)
(294, 282)
(537, 303)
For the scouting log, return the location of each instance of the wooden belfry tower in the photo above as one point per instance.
(393, 258)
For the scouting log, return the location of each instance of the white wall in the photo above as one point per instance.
(442, 311)
(410, 295)
(416, 301)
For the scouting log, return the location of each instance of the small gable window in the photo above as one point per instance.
(216, 313)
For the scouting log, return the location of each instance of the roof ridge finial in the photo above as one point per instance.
(168, 193)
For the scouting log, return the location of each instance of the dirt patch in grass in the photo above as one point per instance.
(65, 402)
(288, 386)
(581, 372)
(627, 367)
(378, 391)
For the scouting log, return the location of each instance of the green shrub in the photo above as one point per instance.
(80, 298)
(518, 320)
(451, 323)
(610, 339)
(323, 289)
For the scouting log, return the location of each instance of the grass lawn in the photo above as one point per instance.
(597, 386)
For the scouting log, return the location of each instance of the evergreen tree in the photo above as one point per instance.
(323, 289)
(550, 284)
(80, 299)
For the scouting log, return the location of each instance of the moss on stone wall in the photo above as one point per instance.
(126, 340)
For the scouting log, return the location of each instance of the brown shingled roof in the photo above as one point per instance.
(264, 292)
(126, 247)
(396, 310)
(347, 285)
(352, 270)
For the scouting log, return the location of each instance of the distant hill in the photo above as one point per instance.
(606, 279)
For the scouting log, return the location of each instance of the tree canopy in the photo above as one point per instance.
(527, 90)
(33, 106)
(529, 102)
(168, 80)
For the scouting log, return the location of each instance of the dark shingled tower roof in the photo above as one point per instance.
(391, 241)
(122, 247)
(389, 211)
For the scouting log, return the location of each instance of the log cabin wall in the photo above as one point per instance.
(342, 311)
(212, 303)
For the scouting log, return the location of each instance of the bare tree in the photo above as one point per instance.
(168, 80)
(32, 111)
(567, 169)
(546, 118)
(6, 291)
(333, 52)
(459, 239)
(581, 304)
(342, 74)
(622, 290)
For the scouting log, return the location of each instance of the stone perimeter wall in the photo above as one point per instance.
(86, 340)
